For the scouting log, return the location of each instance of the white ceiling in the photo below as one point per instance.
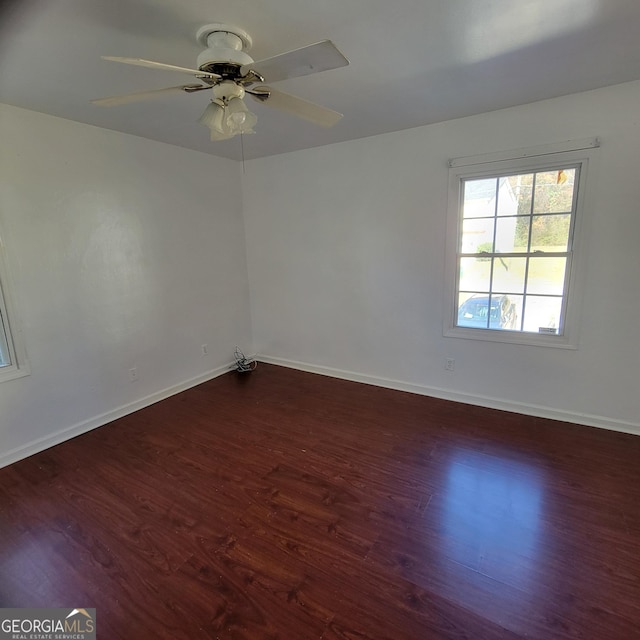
(413, 62)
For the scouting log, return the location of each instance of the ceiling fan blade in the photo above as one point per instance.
(297, 106)
(321, 56)
(147, 95)
(161, 65)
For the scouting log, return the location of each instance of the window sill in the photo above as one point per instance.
(13, 372)
(512, 337)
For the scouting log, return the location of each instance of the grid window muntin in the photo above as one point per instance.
(581, 154)
(499, 304)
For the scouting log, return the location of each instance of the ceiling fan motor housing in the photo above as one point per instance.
(225, 46)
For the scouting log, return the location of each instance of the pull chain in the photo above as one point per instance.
(242, 149)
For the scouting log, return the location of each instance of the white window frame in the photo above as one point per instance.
(10, 326)
(580, 153)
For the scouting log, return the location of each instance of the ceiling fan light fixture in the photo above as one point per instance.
(213, 118)
(237, 118)
(215, 136)
(225, 121)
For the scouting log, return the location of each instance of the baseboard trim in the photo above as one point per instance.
(537, 411)
(36, 446)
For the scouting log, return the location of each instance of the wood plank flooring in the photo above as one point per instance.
(287, 505)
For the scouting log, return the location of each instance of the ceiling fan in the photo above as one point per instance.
(226, 69)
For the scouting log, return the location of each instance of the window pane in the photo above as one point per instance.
(554, 191)
(546, 276)
(518, 302)
(479, 198)
(473, 311)
(502, 313)
(475, 274)
(477, 235)
(521, 187)
(542, 313)
(5, 359)
(512, 234)
(508, 274)
(550, 233)
(507, 201)
(482, 311)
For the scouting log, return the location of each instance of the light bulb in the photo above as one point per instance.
(238, 118)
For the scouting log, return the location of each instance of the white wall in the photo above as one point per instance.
(346, 250)
(122, 253)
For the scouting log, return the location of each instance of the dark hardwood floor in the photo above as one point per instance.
(288, 505)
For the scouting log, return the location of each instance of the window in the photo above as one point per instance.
(5, 356)
(12, 361)
(513, 233)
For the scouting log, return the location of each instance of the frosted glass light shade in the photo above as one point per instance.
(214, 118)
(226, 120)
(238, 118)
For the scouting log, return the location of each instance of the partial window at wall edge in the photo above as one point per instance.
(13, 363)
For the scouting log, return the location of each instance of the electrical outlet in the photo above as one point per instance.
(450, 364)
(205, 349)
(133, 374)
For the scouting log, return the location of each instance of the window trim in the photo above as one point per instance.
(581, 153)
(19, 366)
